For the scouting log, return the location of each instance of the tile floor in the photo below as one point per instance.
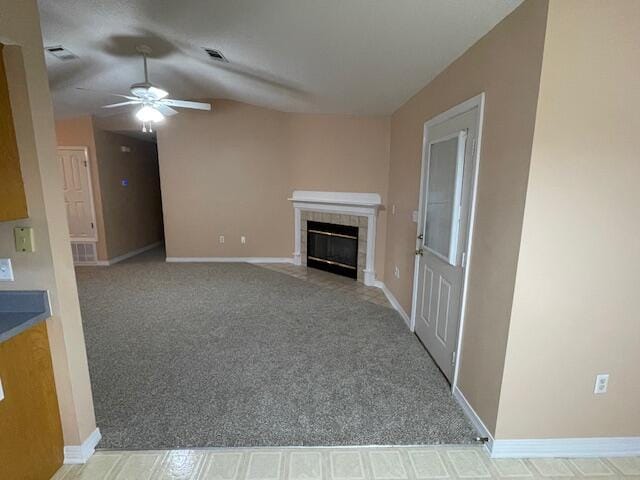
(376, 463)
(332, 282)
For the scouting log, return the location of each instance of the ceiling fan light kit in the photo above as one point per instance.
(148, 114)
(155, 105)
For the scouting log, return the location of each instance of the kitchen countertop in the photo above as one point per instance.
(20, 310)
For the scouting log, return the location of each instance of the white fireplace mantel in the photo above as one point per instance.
(347, 203)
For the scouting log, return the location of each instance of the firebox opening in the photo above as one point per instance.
(333, 248)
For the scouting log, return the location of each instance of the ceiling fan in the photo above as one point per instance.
(155, 105)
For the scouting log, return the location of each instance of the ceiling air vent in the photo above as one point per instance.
(216, 55)
(60, 52)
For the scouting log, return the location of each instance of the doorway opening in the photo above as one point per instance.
(75, 170)
(451, 153)
(111, 185)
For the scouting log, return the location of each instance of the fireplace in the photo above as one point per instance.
(333, 248)
(344, 209)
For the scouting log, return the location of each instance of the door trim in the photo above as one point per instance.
(477, 101)
(94, 238)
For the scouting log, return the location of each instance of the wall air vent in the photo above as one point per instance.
(216, 55)
(60, 52)
(84, 253)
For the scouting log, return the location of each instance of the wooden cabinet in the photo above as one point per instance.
(31, 445)
(13, 203)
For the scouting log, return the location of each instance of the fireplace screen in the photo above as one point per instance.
(333, 248)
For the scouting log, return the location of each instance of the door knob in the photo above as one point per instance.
(420, 237)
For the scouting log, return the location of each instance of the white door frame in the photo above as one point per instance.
(85, 150)
(477, 101)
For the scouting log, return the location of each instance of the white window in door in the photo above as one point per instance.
(78, 196)
(444, 195)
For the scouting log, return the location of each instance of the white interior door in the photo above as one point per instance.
(442, 240)
(78, 197)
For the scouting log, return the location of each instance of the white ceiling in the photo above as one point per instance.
(329, 56)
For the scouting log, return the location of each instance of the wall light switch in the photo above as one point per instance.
(414, 216)
(6, 272)
(243, 239)
(393, 209)
(24, 239)
(1, 391)
(396, 272)
(221, 239)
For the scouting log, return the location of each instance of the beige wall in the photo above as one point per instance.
(225, 173)
(575, 309)
(505, 64)
(51, 266)
(230, 172)
(78, 132)
(128, 218)
(132, 214)
(342, 154)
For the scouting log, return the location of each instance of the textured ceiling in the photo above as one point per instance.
(330, 56)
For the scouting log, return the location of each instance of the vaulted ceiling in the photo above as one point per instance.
(328, 56)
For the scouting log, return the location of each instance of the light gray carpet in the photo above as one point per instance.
(195, 355)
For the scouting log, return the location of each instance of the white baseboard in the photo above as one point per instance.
(394, 302)
(549, 447)
(133, 253)
(474, 418)
(75, 454)
(567, 447)
(230, 259)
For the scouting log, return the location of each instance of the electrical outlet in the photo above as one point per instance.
(221, 239)
(396, 272)
(602, 383)
(243, 239)
(6, 272)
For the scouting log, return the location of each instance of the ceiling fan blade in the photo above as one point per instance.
(107, 93)
(164, 109)
(122, 104)
(185, 104)
(157, 93)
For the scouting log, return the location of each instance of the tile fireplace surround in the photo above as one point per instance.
(342, 208)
